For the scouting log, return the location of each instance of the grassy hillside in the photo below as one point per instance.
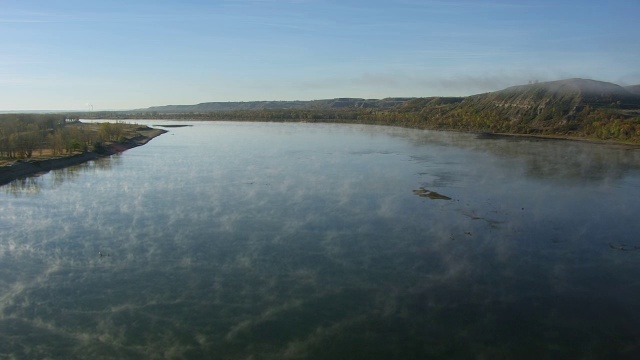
(574, 107)
(569, 108)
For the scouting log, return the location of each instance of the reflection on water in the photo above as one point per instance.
(57, 177)
(23, 186)
(277, 241)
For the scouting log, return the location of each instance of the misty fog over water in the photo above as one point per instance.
(317, 241)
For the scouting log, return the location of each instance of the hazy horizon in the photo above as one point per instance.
(230, 101)
(119, 55)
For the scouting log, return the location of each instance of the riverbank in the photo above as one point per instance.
(610, 143)
(25, 168)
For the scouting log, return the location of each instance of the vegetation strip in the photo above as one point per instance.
(572, 108)
(31, 144)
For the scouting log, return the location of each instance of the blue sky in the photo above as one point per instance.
(119, 54)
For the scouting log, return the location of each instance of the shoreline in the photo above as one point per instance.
(629, 144)
(611, 143)
(23, 169)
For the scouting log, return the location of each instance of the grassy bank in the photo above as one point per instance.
(71, 143)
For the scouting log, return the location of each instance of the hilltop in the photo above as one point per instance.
(578, 107)
(540, 96)
(566, 96)
(581, 108)
(327, 104)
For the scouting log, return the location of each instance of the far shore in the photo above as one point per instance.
(489, 135)
(614, 143)
(25, 168)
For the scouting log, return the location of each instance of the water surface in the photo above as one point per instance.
(290, 241)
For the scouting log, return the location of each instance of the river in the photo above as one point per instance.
(240, 240)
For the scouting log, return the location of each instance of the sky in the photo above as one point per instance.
(125, 54)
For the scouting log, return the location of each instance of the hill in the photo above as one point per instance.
(568, 108)
(635, 89)
(328, 104)
(564, 107)
(552, 103)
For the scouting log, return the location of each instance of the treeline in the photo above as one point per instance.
(22, 135)
(560, 118)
